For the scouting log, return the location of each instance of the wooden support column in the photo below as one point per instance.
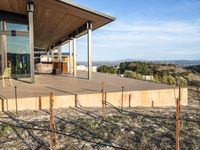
(89, 38)
(74, 58)
(30, 10)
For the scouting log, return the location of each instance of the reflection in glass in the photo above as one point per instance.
(18, 55)
(17, 27)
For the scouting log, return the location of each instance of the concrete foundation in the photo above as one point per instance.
(68, 89)
(147, 98)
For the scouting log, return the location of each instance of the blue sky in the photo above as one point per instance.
(145, 29)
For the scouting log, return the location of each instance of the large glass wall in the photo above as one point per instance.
(18, 56)
(18, 51)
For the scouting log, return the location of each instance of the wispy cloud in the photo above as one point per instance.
(139, 38)
(147, 29)
(145, 40)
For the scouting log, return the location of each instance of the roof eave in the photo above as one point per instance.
(88, 10)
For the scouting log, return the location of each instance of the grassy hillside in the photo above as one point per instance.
(161, 73)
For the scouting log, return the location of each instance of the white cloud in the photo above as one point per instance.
(149, 40)
(155, 27)
(150, 34)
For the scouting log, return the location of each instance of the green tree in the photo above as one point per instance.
(107, 69)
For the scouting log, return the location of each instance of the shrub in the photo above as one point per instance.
(171, 80)
(107, 69)
(133, 75)
(182, 81)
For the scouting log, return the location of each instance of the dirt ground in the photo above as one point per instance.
(87, 129)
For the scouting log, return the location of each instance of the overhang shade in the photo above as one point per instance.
(56, 20)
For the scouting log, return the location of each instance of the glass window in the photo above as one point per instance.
(18, 55)
(17, 27)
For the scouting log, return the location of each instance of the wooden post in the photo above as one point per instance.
(122, 100)
(105, 99)
(152, 103)
(102, 101)
(198, 92)
(130, 98)
(76, 100)
(40, 103)
(51, 120)
(178, 110)
(16, 104)
(2, 104)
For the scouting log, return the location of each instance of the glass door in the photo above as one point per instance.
(18, 54)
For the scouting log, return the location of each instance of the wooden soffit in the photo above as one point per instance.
(54, 20)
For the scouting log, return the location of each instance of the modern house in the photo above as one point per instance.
(26, 25)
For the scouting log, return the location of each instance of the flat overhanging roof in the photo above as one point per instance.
(56, 20)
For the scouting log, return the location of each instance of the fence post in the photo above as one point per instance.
(2, 104)
(40, 103)
(178, 110)
(105, 99)
(198, 92)
(152, 103)
(130, 98)
(51, 120)
(122, 100)
(16, 103)
(102, 101)
(76, 100)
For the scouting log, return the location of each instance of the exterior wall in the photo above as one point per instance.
(149, 98)
(85, 68)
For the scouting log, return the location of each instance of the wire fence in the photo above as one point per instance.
(105, 105)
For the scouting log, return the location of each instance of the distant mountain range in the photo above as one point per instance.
(180, 63)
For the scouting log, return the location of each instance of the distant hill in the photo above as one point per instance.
(194, 69)
(167, 73)
(180, 63)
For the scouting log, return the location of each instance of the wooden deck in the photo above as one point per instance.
(69, 85)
